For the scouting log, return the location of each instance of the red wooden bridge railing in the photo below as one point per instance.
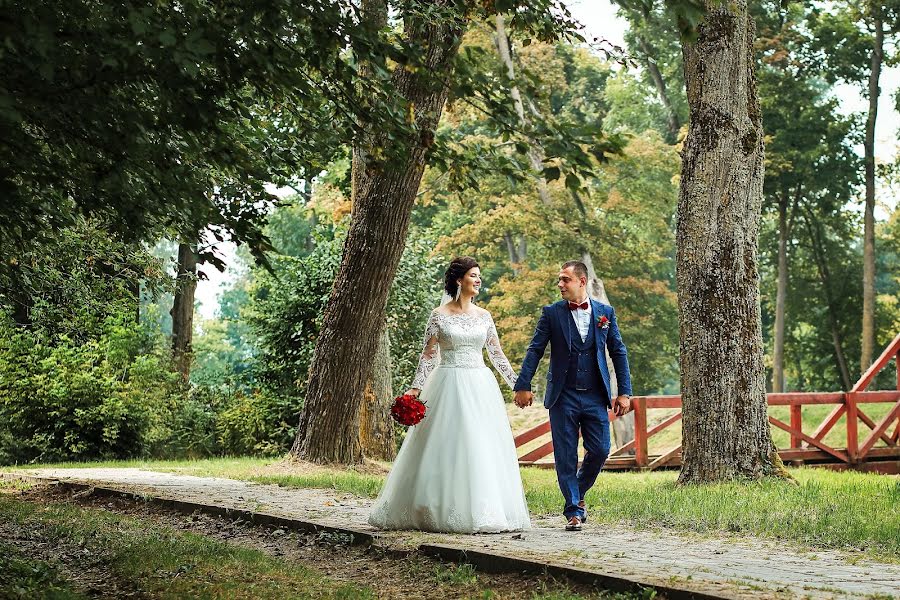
(878, 450)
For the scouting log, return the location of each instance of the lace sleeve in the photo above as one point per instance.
(498, 359)
(431, 352)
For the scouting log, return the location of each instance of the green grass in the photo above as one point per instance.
(237, 468)
(163, 562)
(160, 562)
(826, 509)
(461, 574)
(23, 578)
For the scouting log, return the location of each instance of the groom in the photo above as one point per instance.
(578, 329)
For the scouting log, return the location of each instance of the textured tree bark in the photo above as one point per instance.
(375, 14)
(376, 429)
(868, 318)
(672, 122)
(347, 343)
(780, 299)
(183, 310)
(725, 427)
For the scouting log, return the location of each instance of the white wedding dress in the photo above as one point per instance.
(457, 470)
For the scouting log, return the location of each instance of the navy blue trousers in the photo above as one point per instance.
(574, 411)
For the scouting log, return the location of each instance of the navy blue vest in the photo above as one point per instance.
(583, 373)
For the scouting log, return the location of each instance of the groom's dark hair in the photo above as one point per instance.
(458, 268)
(578, 267)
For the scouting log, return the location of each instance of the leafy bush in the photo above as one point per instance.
(183, 425)
(62, 400)
(257, 423)
(286, 310)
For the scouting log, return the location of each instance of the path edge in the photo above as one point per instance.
(490, 562)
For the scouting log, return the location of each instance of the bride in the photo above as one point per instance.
(457, 470)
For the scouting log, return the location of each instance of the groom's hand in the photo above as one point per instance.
(622, 405)
(523, 398)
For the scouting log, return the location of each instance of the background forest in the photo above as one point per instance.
(102, 355)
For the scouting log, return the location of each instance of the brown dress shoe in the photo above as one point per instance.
(574, 524)
(581, 506)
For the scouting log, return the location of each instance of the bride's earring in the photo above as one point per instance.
(458, 290)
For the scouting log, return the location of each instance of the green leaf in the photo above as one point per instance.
(167, 38)
(551, 173)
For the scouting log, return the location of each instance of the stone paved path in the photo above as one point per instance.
(734, 567)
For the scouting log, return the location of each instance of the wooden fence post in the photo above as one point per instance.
(796, 423)
(852, 433)
(640, 432)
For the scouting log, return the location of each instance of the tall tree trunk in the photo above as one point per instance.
(818, 249)
(21, 301)
(306, 198)
(512, 250)
(780, 299)
(868, 318)
(837, 342)
(725, 431)
(672, 121)
(347, 343)
(535, 152)
(376, 429)
(622, 427)
(310, 239)
(183, 310)
(136, 295)
(518, 249)
(374, 14)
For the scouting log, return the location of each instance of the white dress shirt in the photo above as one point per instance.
(582, 318)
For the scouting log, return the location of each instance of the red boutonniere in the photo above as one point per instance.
(408, 410)
(602, 322)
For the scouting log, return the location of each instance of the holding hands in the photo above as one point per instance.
(524, 398)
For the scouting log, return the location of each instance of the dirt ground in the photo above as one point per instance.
(390, 576)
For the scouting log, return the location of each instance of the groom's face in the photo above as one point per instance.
(571, 287)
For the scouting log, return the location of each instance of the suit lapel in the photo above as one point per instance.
(564, 318)
(595, 314)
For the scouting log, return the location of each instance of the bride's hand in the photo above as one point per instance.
(412, 392)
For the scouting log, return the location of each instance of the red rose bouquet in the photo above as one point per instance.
(408, 410)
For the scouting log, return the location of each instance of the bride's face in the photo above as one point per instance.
(470, 284)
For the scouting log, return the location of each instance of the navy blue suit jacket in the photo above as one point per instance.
(553, 328)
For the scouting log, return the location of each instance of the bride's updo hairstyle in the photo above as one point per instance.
(458, 268)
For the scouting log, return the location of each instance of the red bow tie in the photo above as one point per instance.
(574, 305)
